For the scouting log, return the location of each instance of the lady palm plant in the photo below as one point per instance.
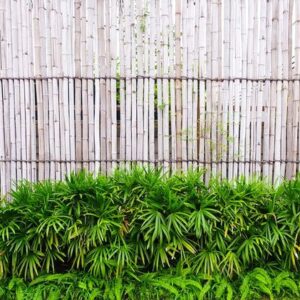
(132, 223)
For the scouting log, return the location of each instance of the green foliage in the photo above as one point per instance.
(140, 234)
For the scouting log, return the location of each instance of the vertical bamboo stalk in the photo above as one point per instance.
(122, 143)
(145, 30)
(133, 83)
(285, 74)
(289, 167)
(77, 54)
(195, 85)
(159, 84)
(296, 91)
(90, 83)
(37, 72)
(55, 92)
(140, 28)
(71, 81)
(84, 88)
(261, 85)
(277, 154)
(2, 143)
(5, 166)
(113, 34)
(44, 82)
(242, 154)
(225, 86)
(202, 73)
(178, 83)
(32, 108)
(237, 89)
(49, 59)
(102, 73)
(65, 89)
(190, 47)
(165, 94)
(231, 94)
(22, 64)
(274, 74)
(127, 48)
(266, 134)
(152, 84)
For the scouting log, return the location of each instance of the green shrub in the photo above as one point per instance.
(143, 235)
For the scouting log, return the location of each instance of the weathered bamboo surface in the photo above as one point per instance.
(181, 84)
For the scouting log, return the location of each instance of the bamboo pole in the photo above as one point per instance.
(202, 73)
(152, 62)
(113, 60)
(145, 30)
(159, 107)
(195, 85)
(296, 85)
(178, 88)
(243, 149)
(231, 95)
(90, 83)
(237, 90)
(77, 62)
(127, 48)
(225, 87)
(267, 95)
(274, 74)
(278, 124)
(190, 48)
(285, 74)
(140, 28)
(64, 113)
(4, 45)
(289, 167)
(261, 85)
(71, 71)
(122, 147)
(133, 83)
(22, 64)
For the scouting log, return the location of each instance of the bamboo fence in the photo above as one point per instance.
(180, 84)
